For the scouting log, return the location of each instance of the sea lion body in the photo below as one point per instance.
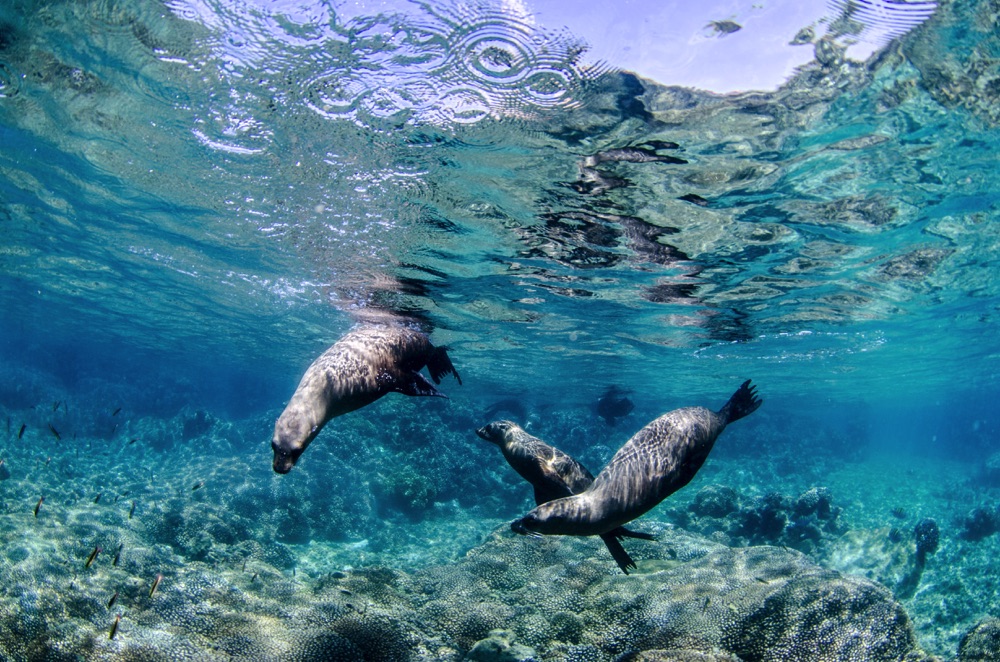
(657, 461)
(365, 364)
(553, 474)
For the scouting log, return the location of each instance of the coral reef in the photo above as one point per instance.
(805, 522)
(981, 643)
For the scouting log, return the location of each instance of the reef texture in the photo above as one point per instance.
(508, 599)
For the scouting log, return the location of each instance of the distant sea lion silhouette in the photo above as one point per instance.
(553, 474)
(361, 367)
(613, 404)
(657, 461)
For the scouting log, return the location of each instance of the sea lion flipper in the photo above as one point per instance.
(622, 532)
(618, 552)
(743, 402)
(439, 365)
(416, 384)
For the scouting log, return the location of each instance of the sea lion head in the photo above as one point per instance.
(292, 435)
(558, 517)
(496, 432)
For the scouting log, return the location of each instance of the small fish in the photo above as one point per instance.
(708, 599)
(118, 554)
(55, 405)
(244, 566)
(198, 485)
(131, 510)
(254, 578)
(38, 505)
(115, 412)
(55, 433)
(93, 555)
(131, 441)
(47, 460)
(345, 591)
(20, 433)
(156, 583)
(113, 600)
(98, 497)
(114, 626)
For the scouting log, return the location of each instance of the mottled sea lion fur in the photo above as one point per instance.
(657, 461)
(368, 362)
(553, 474)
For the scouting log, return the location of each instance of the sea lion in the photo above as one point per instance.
(361, 367)
(613, 404)
(553, 474)
(658, 460)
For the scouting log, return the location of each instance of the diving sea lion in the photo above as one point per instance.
(657, 461)
(553, 474)
(368, 362)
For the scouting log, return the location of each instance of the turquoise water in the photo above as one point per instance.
(198, 197)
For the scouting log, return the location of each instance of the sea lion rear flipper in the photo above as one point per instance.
(622, 532)
(416, 384)
(743, 402)
(618, 552)
(440, 365)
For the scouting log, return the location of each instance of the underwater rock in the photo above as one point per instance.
(806, 523)
(715, 501)
(981, 643)
(991, 470)
(196, 425)
(981, 522)
(879, 555)
(500, 647)
(677, 655)
(816, 501)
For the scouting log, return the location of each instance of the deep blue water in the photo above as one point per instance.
(198, 197)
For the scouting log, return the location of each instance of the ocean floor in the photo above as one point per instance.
(373, 549)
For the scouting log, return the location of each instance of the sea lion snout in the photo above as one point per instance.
(524, 526)
(292, 435)
(494, 432)
(284, 460)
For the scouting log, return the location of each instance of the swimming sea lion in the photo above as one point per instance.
(657, 461)
(553, 474)
(361, 367)
(613, 404)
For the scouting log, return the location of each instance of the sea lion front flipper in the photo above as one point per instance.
(622, 532)
(416, 384)
(439, 365)
(618, 552)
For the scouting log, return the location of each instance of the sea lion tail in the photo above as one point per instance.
(743, 403)
(618, 552)
(440, 365)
